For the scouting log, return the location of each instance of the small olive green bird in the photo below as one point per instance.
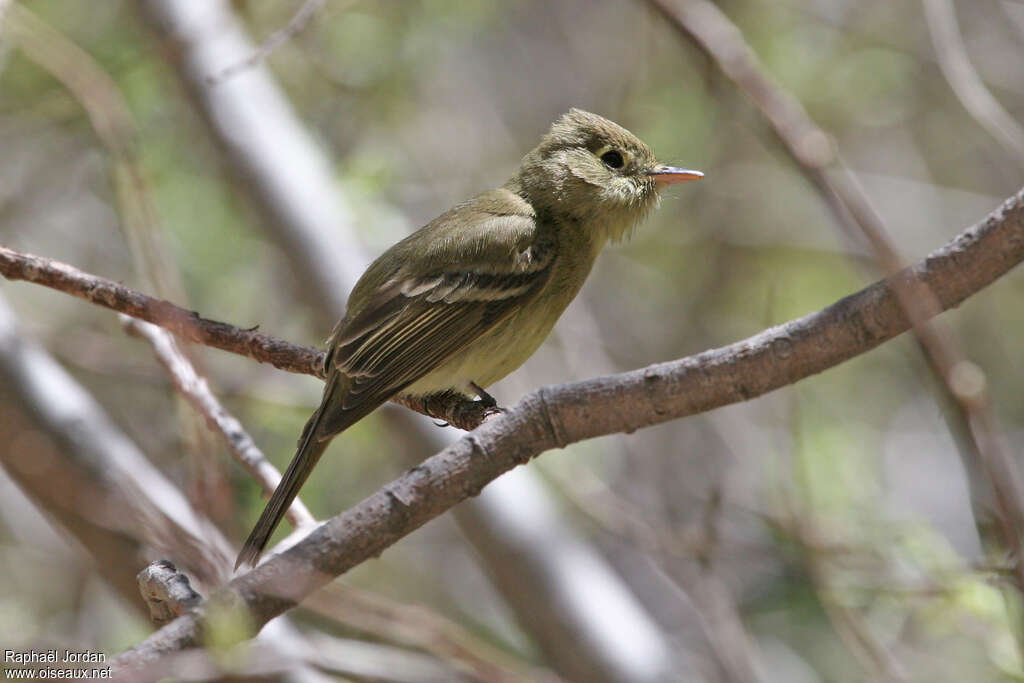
(466, 299)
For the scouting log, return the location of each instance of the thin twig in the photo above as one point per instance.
(273, 41)
(197, 392)
(878, 661)
(553, 417)
(964, 79)
(614, 515)
(796, 519)
(417, 626)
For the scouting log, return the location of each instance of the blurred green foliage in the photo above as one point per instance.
(845, 500)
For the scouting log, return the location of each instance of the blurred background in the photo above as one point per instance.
(836, 530)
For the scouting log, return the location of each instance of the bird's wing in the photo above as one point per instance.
(413, 324)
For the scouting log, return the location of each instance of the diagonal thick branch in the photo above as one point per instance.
(553, 417)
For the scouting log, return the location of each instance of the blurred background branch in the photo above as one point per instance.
(960, 384)
(286, 32)
(952, 56)
(93, 478)
(196, 391)
(844, 527)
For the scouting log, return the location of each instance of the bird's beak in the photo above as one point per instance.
(670, 175)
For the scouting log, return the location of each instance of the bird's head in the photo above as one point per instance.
(593, 170)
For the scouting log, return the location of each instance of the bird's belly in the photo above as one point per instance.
(502, 349)
(489, 358)
(513, 340)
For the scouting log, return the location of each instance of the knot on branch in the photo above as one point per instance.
(167, 592)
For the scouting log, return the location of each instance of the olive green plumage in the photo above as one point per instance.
(469, 297)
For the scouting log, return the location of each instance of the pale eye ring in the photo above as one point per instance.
(613, 159)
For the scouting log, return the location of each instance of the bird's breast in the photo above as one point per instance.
(514, 339)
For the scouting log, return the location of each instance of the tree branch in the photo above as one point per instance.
(187, 325)
(556, 416)
(966, 83)
(166, 591)
(190, 326)
(193, 387)
(273, 41)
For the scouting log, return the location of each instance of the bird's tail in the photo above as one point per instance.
(336, 413)
(311, 447)
(339, 409)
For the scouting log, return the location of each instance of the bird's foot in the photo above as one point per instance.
(486, 402)
(454, 408)
(486, 399)
(469, 414)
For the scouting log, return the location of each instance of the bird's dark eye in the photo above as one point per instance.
(613, 159)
